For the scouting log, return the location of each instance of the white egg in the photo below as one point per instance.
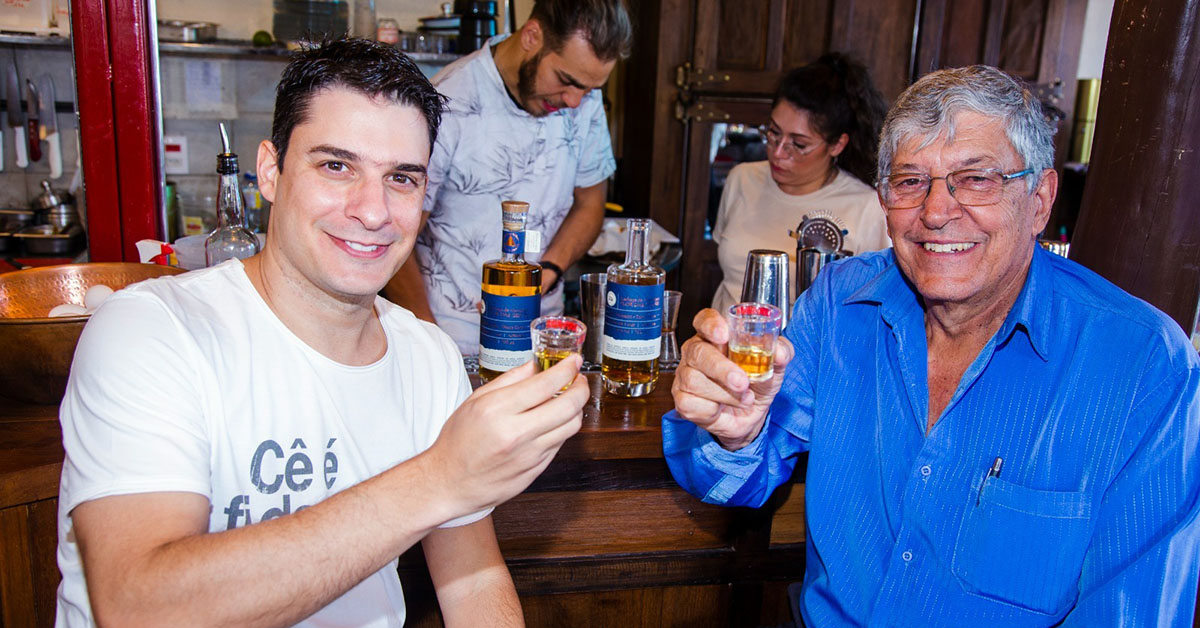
(67, 309)
(95, 296)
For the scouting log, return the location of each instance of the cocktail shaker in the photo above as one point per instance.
(810, 263)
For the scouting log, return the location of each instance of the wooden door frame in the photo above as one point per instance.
(697, 250)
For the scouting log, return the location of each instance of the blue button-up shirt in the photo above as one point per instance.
(1088, 395)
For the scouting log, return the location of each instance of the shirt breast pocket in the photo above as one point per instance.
(1022, 546)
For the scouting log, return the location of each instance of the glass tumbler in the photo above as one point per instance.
(555, 338)
(753, 329)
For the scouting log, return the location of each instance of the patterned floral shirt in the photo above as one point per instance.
(490, 150)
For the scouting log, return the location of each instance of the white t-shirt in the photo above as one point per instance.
(191, 383)
(490, 150)
(756, 214)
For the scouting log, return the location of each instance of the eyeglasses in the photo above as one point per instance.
(969, 187)
(773, 136)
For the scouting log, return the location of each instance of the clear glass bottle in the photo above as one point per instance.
(633, 312)
(231, 238)
(512, 298)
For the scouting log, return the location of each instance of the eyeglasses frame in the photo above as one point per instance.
(1004, 179)
(790, 146)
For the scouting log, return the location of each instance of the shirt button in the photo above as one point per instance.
(926, 470)
(907, 556)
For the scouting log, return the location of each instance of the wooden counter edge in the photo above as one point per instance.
(28, 485)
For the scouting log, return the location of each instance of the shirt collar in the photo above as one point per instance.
(1032, 309)
(493, 72)
(890, 289)
(897, 299)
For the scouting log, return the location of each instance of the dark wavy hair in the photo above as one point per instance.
(604, 24)
(362, 65)
(838, 93)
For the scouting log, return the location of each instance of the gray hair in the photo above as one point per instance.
(927, 110)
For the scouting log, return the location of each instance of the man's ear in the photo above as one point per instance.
(532, 37)
(267, 168)
(1046, 192)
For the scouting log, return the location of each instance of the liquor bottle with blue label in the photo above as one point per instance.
(633, 309)
(512, 298)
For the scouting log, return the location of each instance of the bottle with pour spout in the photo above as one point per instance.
(231, 238)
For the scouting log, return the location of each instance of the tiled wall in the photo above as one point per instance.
(18, 186)
(245, 104)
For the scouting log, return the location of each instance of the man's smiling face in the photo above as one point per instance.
(956, 254)
(347, 204)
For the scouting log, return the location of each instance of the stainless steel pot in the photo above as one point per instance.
(56, 208)
(15, 219)
(46, 240)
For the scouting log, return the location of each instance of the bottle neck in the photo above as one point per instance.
(231, 209)
(638, 253)
(513, 241)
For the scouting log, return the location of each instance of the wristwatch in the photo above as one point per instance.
(558, 273)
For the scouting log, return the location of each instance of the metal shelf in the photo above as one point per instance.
(22, 39)
(234, 47)
(221, 47)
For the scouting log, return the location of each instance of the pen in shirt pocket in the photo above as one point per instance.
(994, 472)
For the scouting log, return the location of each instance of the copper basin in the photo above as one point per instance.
(36, 351)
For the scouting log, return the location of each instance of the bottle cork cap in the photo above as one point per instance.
(514, 206)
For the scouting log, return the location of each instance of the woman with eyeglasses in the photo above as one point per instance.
(821, 141)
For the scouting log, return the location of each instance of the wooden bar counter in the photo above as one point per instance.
(603, 538)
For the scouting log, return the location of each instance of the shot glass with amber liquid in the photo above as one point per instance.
(555, 338)
(753, 329)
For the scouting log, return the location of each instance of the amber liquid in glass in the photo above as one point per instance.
(547, 358)
(756, 361)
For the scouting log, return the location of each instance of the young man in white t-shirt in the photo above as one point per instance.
(254, 444)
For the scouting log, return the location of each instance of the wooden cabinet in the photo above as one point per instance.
(28, 571)
(30, 462)
(700, 63)
(744, 46)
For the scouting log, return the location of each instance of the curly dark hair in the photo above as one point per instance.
(366, 66)
(838, 93)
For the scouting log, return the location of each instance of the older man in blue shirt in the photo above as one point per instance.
(997, 436)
